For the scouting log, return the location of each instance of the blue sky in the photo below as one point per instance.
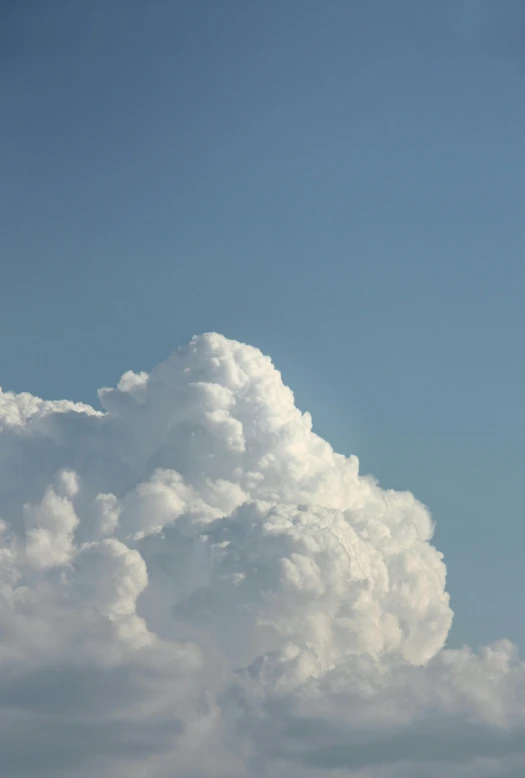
(338, 183)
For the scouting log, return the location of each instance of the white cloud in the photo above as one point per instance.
(192, 583)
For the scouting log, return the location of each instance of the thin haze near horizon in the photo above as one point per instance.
(337, 184)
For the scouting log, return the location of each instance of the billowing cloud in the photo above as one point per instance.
(193, 583)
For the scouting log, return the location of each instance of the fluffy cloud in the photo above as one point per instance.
(193, 583)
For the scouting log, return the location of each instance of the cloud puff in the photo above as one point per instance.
(193, 583)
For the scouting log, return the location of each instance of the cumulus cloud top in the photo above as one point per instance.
(193, 583)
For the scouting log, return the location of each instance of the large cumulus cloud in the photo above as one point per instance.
(193, 583)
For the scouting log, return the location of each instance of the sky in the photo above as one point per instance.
(338, 184)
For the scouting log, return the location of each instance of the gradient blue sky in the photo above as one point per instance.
(338, 183)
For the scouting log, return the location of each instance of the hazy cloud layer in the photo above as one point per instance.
(192, 583)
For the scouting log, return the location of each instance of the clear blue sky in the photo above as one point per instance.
(339, 183)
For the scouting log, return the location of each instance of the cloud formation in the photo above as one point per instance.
(193, 583)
